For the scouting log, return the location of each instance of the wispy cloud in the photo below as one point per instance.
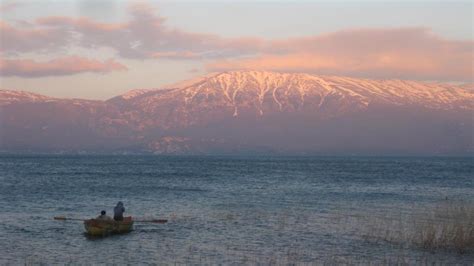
(57, 67)
(409, 53)
(146, 36)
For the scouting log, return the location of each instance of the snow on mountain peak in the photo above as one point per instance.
(398, 92)
(134, 93)
(11, 96)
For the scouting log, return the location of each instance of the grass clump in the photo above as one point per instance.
(447, 226)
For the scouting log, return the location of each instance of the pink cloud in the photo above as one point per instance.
(407, 53)
(16, 40)
(57, 67)
(79, 23)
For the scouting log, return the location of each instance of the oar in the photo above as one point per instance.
(62, 218)
(158, 221)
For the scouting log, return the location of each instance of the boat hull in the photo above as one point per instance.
(96, 227)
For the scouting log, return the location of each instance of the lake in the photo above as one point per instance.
(223, 210)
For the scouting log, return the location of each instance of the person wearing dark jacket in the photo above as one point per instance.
(118, 211)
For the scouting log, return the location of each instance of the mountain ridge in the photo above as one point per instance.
(251, 111)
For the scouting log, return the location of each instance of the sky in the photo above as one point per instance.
(96, 49)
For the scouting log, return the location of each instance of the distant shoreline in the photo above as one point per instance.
(240, 155)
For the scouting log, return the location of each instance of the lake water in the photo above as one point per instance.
(222, 209)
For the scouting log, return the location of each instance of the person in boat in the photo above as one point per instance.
(118, 211)
(104, 217)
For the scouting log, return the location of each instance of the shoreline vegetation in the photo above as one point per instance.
(443, 227)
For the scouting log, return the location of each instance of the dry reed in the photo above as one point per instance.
(447, 226)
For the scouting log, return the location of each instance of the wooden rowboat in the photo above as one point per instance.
(95, 227)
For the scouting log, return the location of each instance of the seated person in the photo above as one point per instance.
(104, 217)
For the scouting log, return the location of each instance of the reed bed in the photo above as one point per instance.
(446, 226)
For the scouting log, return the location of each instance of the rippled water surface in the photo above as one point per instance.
(220, 209)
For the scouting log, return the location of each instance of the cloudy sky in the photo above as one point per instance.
(98, 49)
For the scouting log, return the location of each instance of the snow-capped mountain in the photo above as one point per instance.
(255, 93)
(279, 88)
(253, 111)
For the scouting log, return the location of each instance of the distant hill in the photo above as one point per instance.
(242, 112)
